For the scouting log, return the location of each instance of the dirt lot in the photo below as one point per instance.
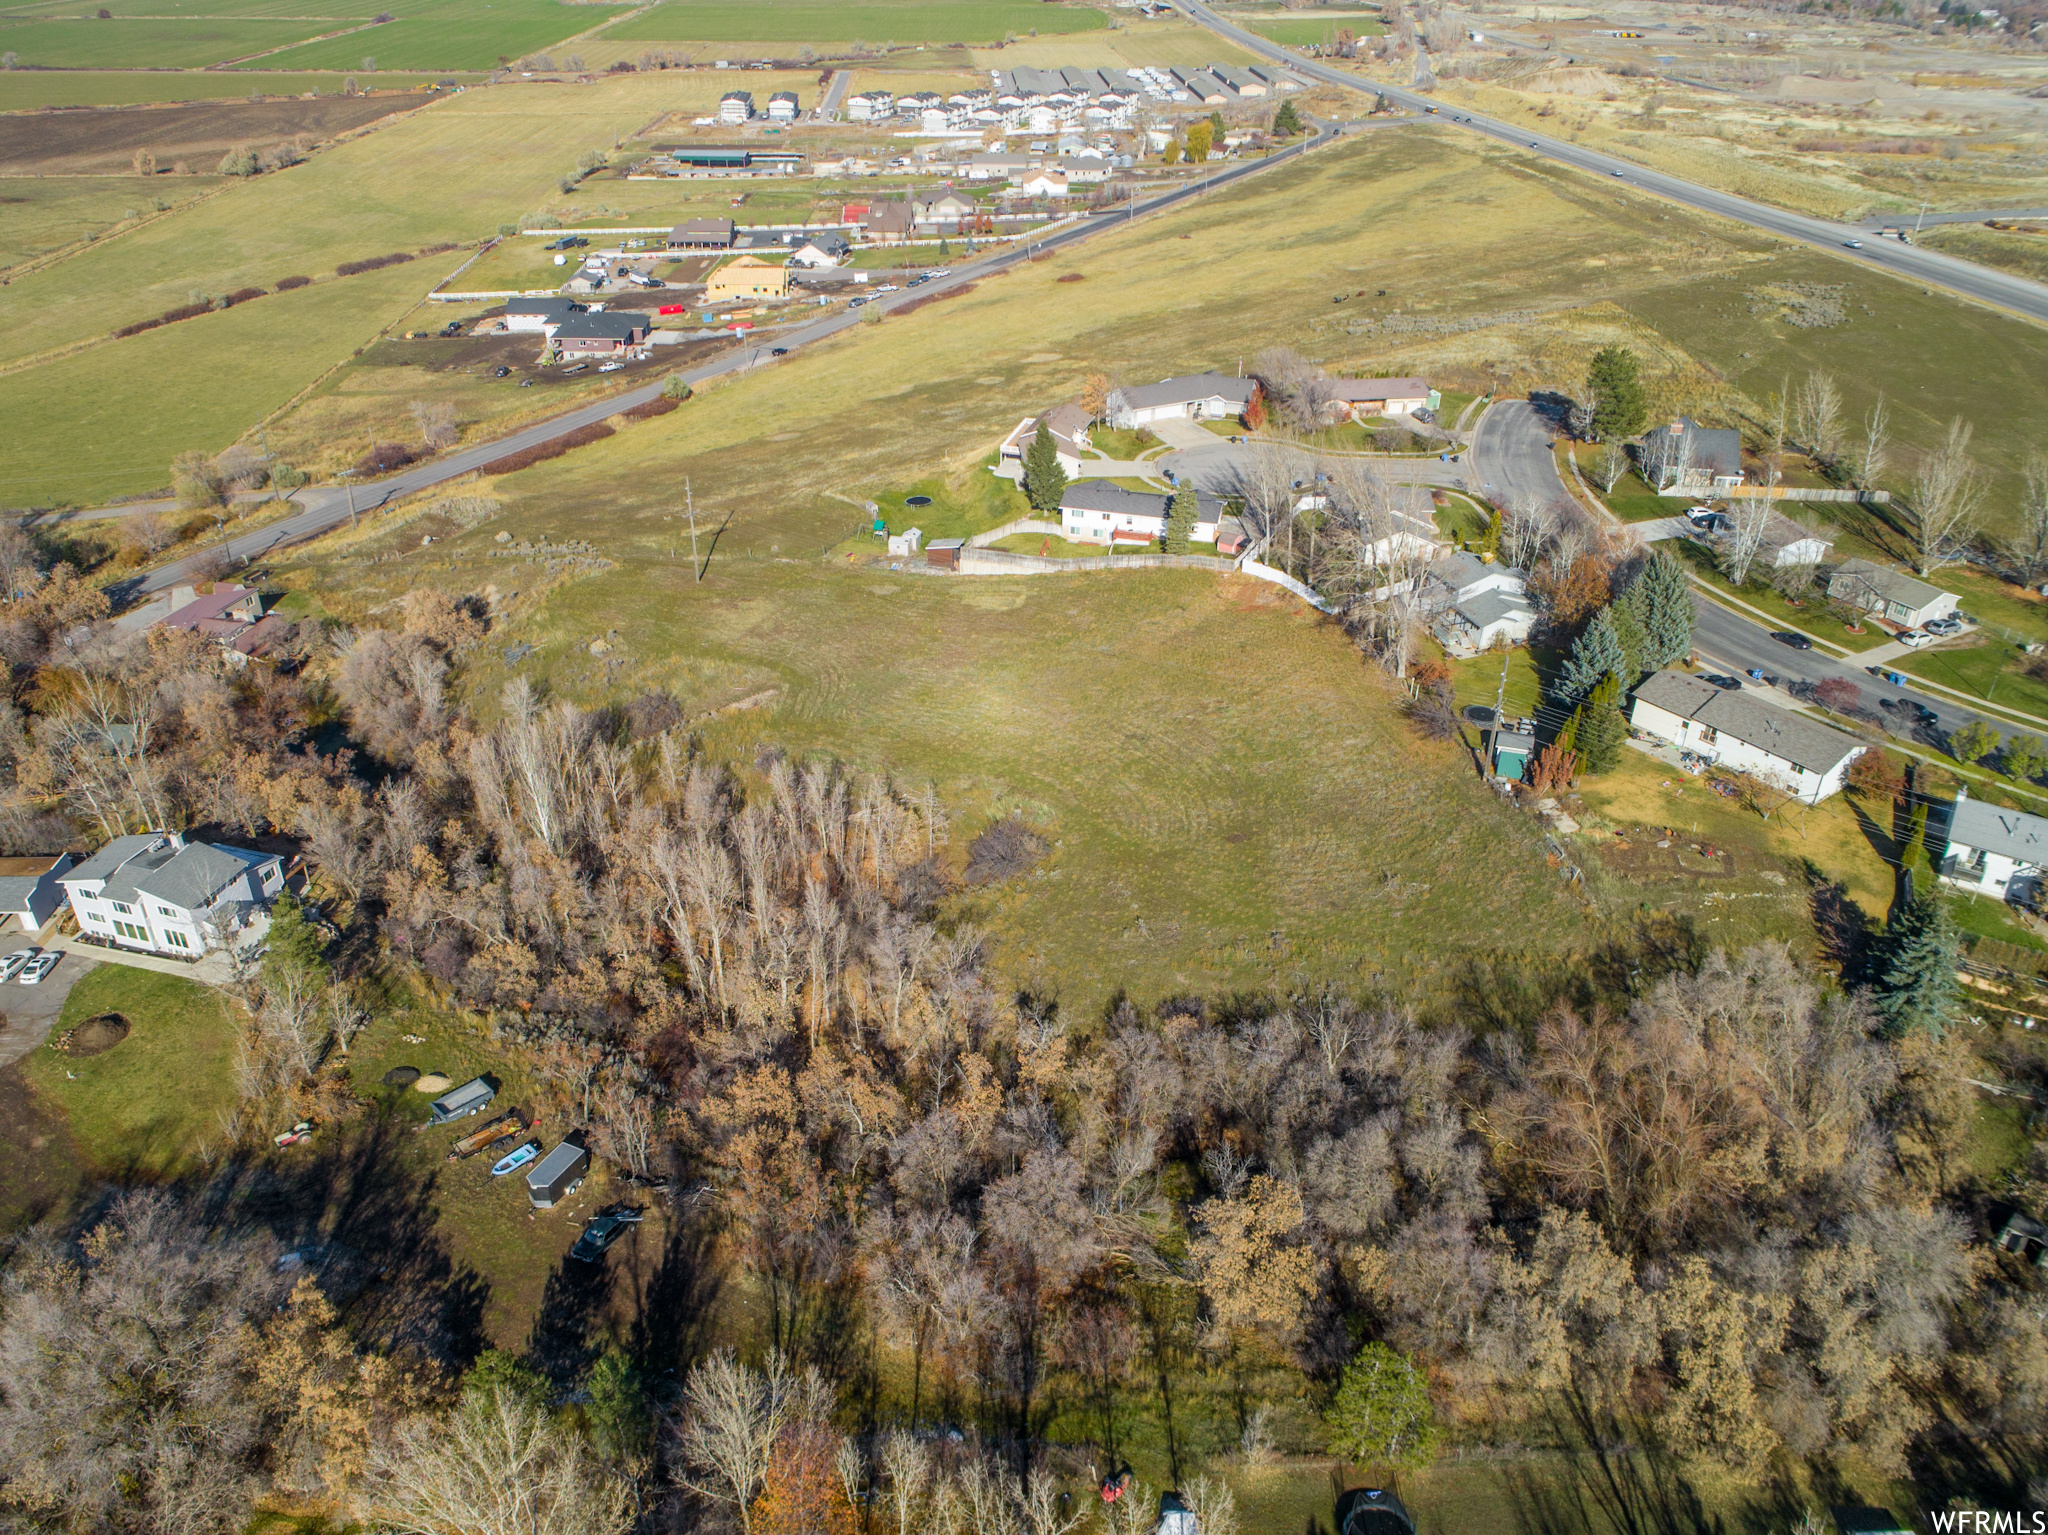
(102, 139)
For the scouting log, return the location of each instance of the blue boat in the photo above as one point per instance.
(517, 1158)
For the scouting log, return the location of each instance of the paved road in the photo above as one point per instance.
(1915, 220)
(1511, 459)
(835, 93)
(327, 507)
(1910, 262)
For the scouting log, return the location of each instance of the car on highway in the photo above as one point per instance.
(33, 972)
(1854, 245)
(1913, 639)
(1796, 641)
(15, 963)
(602, 1231)
(1616, 174)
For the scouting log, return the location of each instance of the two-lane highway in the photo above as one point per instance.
(327, 507)
(1910, 262)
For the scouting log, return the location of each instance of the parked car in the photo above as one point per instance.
(500, 371)
(609, 367)
(1945, 626)
(780, 351)
(602, 1231)
(1913, 639)
(1733, 684)
(14, 963)
(33, 972)
(1796, 641)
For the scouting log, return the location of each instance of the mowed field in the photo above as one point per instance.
(28, 90)
(1299, 33)
(42, 214)
(269, 35)
(874, 21)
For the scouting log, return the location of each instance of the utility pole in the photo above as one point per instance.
(350, 486)
(1922, 215)
(691, 505)
(1500, 697)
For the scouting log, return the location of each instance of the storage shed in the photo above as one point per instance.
(1512, 750)
(944, 552)
(557, 1175)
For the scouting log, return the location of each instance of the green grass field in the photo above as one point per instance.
(24, 90)
(42, 214)
(451, 34)
(1297, 34)
(1988, 668)
(143, 1108)
(875, 21)
(151, 42)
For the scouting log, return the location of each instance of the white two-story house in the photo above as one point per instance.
(157, 892)
(1993, 850)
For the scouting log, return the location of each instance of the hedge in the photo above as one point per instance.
(374, 263)
(597, 431)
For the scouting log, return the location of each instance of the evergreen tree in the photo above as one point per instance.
(1489, 541)
(1628, 628)
(1916, 976)
(1382, 1413)
(617, 1411)
(1286, 121)
(496, 1370)
(1595, 653)
(1180, 521)
(1216, 123)
(1600, 727)
(1044, 480)
(1662, 603)
(1619, 406)
(295, 945)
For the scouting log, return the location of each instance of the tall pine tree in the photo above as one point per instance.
(1916, 976)
(1045, 482)
(295, 947)
(1661, 600)
(1180, 521)
(1597, 727)
(1595, 653)
(1619, 405)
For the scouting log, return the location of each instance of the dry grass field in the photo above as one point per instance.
(199, 133)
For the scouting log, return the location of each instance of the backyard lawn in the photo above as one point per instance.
(145, 1107)
(1983, 667)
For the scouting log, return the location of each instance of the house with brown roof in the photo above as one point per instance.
(1356, 397)
(1069, 425)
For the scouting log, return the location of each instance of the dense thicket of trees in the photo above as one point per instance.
(1723, 1204)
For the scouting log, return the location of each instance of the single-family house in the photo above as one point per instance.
(1352, 398)
(1889, 594)
(1785, 544)
(1686, 458)
(539, 314)
(783, 107)
(821, 251)
(699, 235)
(1792, 752)
(1043, 184)
(1097, 512)
(234, 606)
(746, 278)
(29, 889)
(600, 335)
(1068, 424)
(1198, 397)
(941, 208)
(1484, 604)
(1992, 850)
(906, 542)
(157, 892)
(994, 167)
(736, 107)
(890, 223)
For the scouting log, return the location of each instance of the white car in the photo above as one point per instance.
(13, 964)
(609, 367)
(1915, 638)
(33, 972)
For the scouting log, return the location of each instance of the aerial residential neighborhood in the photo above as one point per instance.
(1024, 767)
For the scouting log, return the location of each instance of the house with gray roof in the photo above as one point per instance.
(1687, 459)
(1889, 594)
(1482, 604)
(156, 892)
(29, 892)
(1069, 425)
(1197, 397)
(1992, 850)
(1792, 752)
(1097, 512)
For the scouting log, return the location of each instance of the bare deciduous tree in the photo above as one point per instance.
(1948, 491)
(436, 422)
(2027, 550)
(1818, 413)
(1751, 516)
(1876, 445)
(1611, 465)
(732, 1415)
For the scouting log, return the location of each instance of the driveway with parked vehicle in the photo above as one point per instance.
(27, 1013)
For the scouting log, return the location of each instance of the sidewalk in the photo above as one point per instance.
(210, 969)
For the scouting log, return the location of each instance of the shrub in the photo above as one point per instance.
(597, 431)
(1006, 849)
(285, 477)
(385, 457)
(286, 284)
(243, 295)
(660, 405)
(1068, 277)
(240, 161)
(372, 264)
(673, 388)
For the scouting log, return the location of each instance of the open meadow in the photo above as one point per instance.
(29, 90)
(45, 214)
(806, 22)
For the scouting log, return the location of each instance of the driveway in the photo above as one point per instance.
(29, 1011)
(1218, 467)
(1179, 432)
